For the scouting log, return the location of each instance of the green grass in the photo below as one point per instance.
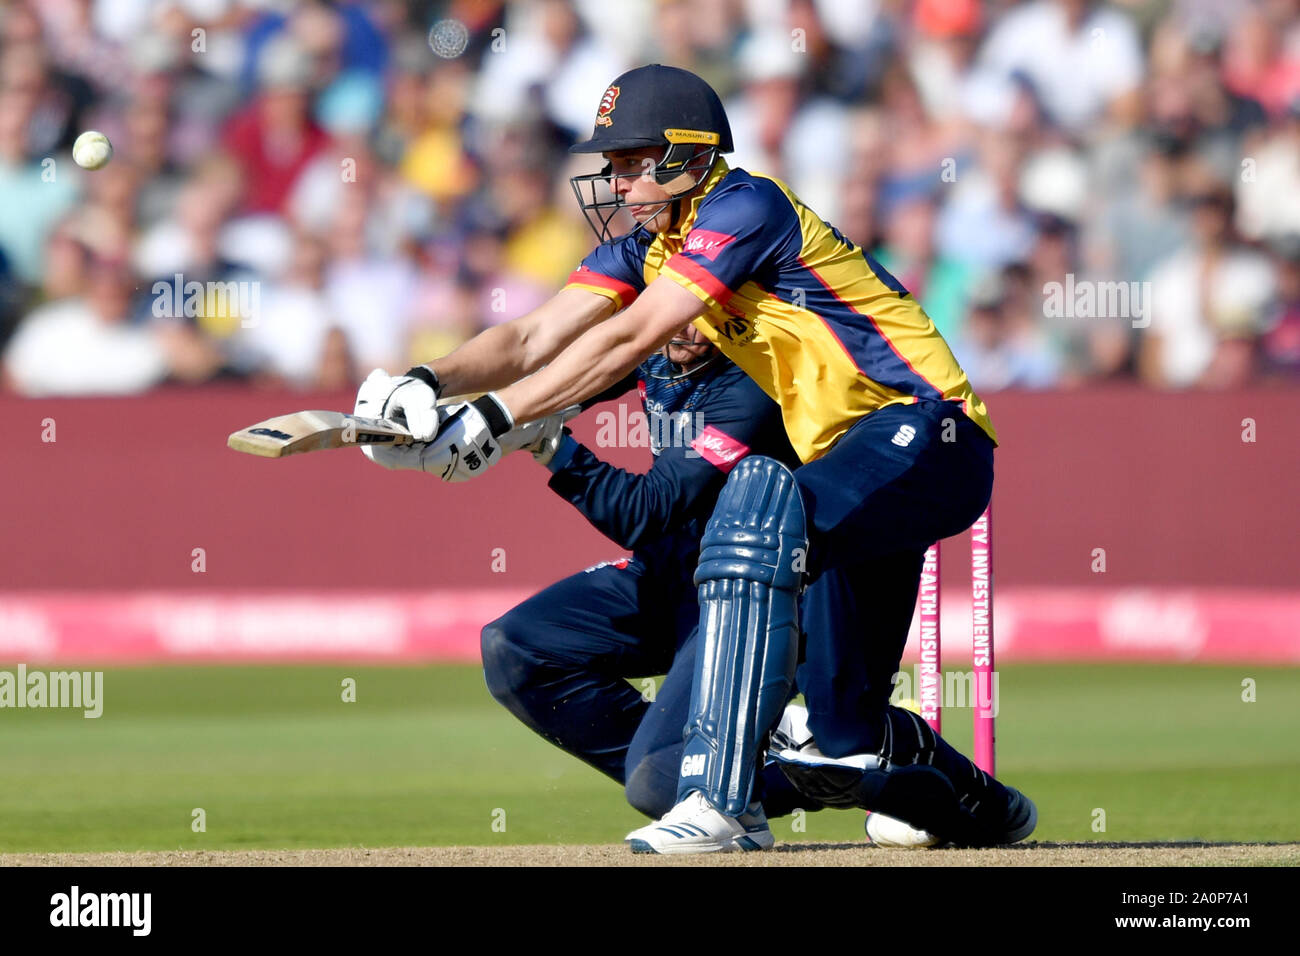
(424, 756)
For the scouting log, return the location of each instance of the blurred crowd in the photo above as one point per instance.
(1076, 191)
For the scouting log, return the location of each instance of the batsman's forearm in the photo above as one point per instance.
(506, 353)
(596, 361)
(491, 359)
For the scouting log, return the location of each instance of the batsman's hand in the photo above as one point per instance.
(371, 396)
(372, 393)
(462, 449)
(412, 399)
(465, 446)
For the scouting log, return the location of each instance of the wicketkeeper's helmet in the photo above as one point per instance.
(653, 105)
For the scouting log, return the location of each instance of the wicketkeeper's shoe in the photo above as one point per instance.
(695, 826)
(1021, 818)
(887, 831)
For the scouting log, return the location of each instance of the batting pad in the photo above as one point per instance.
(751, 565)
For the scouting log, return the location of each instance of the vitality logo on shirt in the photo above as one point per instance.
(707, 243)
(719, 449)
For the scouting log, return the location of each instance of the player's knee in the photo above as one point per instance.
(651, 788)
(507, 666)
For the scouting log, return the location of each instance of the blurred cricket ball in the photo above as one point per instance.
(908, 703)
(92, 150)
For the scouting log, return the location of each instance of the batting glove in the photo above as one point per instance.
(468, 443)
(412, 399)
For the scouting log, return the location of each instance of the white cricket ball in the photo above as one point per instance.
(92, 150)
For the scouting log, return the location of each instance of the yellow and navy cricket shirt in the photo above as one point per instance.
(819, 324)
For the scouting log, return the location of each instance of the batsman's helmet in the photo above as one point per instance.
(650, 106)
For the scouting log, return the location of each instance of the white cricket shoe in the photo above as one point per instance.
(887, 831)
(694, 826)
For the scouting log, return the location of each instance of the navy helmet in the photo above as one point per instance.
(652, 106)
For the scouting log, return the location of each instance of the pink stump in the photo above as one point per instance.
(986, 687)
(929, 694)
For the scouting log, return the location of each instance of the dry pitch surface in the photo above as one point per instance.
(786, 854)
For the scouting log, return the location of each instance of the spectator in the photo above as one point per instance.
(1208, 302)
(1261, 59)
(999, 345)
(289, 340)
(941, 60)
(425, 128)
(1281, 343)
(85, 345)
(1268, 191)
(983, 223)
(550, 64)
(274, 138)
(779, 132)
(369, 295)
(1081, 58)
(34, 194)
(1142, 221)
(940, 284)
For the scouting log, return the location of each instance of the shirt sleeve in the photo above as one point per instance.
(735, 419)
(615, 270)
(737, 235)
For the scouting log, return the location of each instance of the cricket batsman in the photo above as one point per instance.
(895, 452)
(559, 660)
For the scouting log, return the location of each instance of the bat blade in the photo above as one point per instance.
(302, 432)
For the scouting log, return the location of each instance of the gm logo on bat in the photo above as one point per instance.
(361, 439)
(270, 433)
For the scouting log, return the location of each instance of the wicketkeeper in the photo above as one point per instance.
(896, 451)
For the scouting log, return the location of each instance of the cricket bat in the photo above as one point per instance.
(315, 431)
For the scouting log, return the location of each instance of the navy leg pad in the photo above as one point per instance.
(751, 566)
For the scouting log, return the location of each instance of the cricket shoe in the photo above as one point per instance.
(1018, 819)
(887, 831)
(1021, 818)
(694, 826)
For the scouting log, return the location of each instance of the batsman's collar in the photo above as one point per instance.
(675, 237)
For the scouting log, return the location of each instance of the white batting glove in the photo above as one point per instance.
(412, 400)
(469, 447)
(370, 400)
(464, 446)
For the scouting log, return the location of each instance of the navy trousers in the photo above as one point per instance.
(902, 478)
(560, 662)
